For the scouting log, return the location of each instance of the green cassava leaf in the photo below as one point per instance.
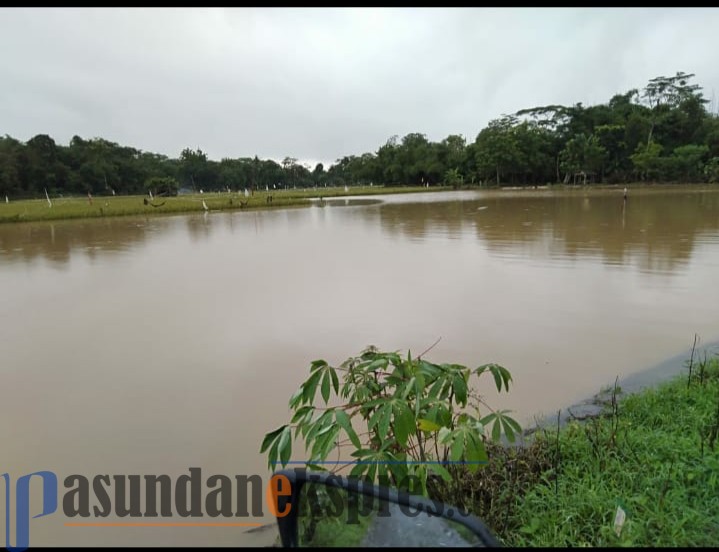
(383, 425)
(475, 452)
(404, 424)
(296, 398)
(514, 425)
(508, 431)
(459, 386)
(270, 437)
(444, 435)
(335, 380)
(427, 425)
(457, 449)
(309, 387)
(344, 421)
(285, 445)
(497, 377)
(316, 364)
(496, 430)
(326, 386)
(440, 470)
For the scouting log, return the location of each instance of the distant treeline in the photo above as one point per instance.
(662, 132)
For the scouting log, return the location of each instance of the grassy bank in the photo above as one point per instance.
(655, 453)
(73, 208)
(109, 206)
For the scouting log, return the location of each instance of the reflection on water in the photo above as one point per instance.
(171, 342)
(55, 241)
(658, 231)
(200, 227)
(345, 201)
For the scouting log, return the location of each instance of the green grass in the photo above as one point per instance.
(72, 208)
(657, 456)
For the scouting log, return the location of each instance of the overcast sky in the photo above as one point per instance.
(318, 84)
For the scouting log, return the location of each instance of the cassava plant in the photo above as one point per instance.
(402, 416)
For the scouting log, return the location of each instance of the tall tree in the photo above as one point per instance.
(496, 148)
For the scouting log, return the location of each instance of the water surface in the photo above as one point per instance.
(150, 345)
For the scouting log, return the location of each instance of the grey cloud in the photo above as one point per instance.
(318, 84)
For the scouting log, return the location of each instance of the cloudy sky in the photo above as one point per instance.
(318, 84)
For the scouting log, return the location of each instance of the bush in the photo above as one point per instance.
(412, 412)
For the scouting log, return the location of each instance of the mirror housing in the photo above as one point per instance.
(288, 500)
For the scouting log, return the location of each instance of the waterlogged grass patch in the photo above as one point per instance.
(101, 206)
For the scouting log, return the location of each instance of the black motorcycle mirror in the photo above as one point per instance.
(323, 509)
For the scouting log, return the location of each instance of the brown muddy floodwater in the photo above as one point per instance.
(151, 345)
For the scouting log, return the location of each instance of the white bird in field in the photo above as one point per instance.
(204, 205)
(150, 192)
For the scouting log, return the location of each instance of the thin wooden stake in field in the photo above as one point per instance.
(48, 198)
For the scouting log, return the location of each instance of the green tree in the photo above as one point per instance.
(664, 94)
(318, 175)
(646, 160)
(686, 162)
(453, 178)
(496, 148)
(10, 181)
(611, 139)
(162, 186)
(711, 170)
(233, 174)
(42, 167)
(194, 169)
(582, 154)
(289, 166)
(535, 153)
(389, 166)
